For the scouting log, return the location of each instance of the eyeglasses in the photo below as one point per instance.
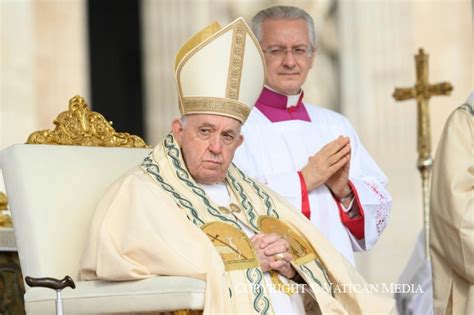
(300, 53)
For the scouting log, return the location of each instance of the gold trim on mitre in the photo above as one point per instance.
(195, 41)
(236, 60)
(216, 105)
(191, 44)
(229, 102)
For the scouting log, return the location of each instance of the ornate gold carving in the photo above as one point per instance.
(422, 92)
(186, 312)
(81, 126)
(3, 201)
(215, 105)
(5, 220)
(236, 61)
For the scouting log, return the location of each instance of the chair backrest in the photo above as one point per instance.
(56, 188)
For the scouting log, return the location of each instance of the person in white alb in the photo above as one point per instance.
(310, 155)
(452, 215)
(187, 211)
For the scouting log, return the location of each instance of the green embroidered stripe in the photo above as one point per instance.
(468, 108)
(261, 304)
(325, 273)
(267, 201)
(244, 201)
(310, 273)
(183, 175)
(307, 271)
(154, 171)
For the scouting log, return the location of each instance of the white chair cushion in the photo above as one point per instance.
(92, 297)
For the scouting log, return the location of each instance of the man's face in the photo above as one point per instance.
(286, 72)
(208, 143)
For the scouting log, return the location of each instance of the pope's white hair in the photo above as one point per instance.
(184, 121)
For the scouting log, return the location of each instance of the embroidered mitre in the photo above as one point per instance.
(220, 71)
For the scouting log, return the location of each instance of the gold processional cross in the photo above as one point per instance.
(422, 91)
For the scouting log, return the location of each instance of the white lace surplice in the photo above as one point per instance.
(273, 153)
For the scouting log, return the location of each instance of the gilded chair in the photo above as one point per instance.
(53, 183)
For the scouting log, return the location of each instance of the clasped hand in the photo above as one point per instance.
(269, 245)
(330, 166)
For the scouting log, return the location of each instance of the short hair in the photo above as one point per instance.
(282, 12)
(184, 121)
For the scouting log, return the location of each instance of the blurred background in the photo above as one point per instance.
(119, 55)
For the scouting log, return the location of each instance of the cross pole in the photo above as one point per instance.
(422, 92)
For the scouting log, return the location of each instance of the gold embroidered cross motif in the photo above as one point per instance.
(305, 258)
(233, 246)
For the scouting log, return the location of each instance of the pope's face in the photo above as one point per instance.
(208, 143)
(286, 72)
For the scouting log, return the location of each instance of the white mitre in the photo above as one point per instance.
(220, 71)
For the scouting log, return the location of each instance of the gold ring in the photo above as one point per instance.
(279, 256)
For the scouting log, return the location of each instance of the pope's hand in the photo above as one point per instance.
(330, 166)
(272, 253)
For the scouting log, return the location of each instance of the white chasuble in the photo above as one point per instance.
(282, 302)
(274, 151)
(156, 220)
(452, 215)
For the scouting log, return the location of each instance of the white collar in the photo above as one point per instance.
(291, 100)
